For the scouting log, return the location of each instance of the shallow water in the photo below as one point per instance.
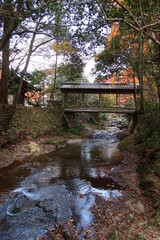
(64, 183)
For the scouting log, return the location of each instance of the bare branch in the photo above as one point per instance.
(131, 25)
(127, 10)
(152, 37)
(142, 15)
(47, 41)
(149, 26)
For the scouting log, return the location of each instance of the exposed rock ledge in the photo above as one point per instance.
(33, 147)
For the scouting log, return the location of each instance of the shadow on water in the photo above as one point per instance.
(62, 184)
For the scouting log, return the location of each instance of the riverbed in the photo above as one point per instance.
(78, 187)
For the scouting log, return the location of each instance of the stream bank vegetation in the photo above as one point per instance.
(145, 141)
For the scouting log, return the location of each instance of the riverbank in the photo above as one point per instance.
(131, 216)
(135, 215)
(55, 187)
(30, 147)
(19, 147)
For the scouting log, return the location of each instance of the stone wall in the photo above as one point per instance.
(5, 114)
(34, 121)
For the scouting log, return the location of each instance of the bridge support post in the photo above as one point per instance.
(99, 100)
(64, 98)
(82, 100)
(116, 100)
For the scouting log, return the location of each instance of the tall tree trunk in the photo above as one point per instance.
(25, 69)
(158, 89)
(21, 79)
(5, 70)
(55, 77)
(141, 69)
(135, 97)
(55, 74)
(13, 18)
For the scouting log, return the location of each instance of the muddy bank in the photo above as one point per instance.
(21, 150)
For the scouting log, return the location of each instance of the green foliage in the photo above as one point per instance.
(152, 107)
(11, 136)
(103, 116)
(59, 131)
(36, 77)
(127, 144)
(112, 59)
(129, 103)
(72, 71)
(146, 133)
(76, 130)
(12, 87)
(113, 236)
(138, 237)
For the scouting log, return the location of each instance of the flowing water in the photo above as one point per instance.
(58, 186)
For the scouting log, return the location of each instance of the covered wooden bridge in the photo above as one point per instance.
(81, 89)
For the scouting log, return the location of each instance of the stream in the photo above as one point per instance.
(57, 186)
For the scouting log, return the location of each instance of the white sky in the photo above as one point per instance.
(88, 68)
(40, 63)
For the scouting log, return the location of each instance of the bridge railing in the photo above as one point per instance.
(104, 102)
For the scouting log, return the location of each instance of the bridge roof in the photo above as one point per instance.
(98, 88)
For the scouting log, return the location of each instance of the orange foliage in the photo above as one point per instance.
(114, 32)
(33, 95)
(125, 77)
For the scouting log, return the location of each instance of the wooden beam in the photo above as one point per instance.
(100, 100)
(103, 110)
(82, 99)
(116, 100)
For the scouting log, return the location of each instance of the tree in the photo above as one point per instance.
(61, 48)
(142, 18)
(13, 13)
(72, 71)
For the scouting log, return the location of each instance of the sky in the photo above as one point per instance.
(38, 62)
(88, 68)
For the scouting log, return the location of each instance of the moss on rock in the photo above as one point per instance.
(156, 167)
(147, 130)
(127, 144)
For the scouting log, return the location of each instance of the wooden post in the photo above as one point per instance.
(99, 100)
(116, 100)
(82, 100)
(63, 100)
(119, 100)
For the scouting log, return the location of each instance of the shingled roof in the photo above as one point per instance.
(98, 88)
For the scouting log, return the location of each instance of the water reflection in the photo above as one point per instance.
(65, 182)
